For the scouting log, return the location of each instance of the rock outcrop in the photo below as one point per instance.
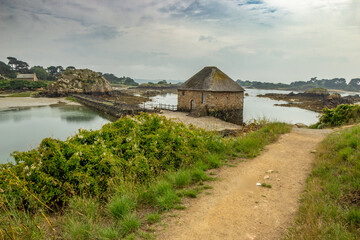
(79, 81)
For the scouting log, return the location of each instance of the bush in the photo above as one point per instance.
(338, 116)
(21, 84)
(133, 150)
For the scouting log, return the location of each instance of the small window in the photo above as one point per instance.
(183, 93)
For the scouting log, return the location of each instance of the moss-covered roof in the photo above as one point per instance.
(211, 79)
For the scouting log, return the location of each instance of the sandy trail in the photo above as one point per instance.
(208, 123)
(237, 208)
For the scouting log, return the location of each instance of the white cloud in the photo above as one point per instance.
(267, 40)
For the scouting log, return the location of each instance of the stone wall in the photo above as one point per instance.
(112, 108)
(224, 105)
(218, 100)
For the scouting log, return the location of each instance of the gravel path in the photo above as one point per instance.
(237, 208)
(207, 123)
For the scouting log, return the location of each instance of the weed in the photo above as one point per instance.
(121, 205)
(179, 207)
(198, 174)
(191, 193)
(153, 217)
(130, 223)
(180, 179)
(266, 185)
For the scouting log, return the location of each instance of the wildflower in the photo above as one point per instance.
(80, 136)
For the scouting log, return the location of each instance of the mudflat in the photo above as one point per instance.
(15, 102)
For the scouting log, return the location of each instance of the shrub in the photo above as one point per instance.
(342, 114)
(133, 150)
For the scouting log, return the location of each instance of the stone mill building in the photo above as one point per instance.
(211, 92)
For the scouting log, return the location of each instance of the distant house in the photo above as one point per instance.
(30, 77)
(211, 92)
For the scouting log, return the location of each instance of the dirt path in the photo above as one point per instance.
(237, 208)
(207, 123)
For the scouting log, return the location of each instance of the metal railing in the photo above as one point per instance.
(159, 106)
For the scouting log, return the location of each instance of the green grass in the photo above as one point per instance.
(100, 184)
(21, 94)
(121, 206)
(130, 223)
(73, 99)
(330, 205)
(266, 185)
(153, 217)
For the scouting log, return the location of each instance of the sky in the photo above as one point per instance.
(257, 40)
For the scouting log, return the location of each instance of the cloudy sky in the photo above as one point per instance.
(262, 40)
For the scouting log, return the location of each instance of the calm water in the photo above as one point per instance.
(23, 128)
(255, 108)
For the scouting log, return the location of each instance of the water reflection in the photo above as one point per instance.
(23, 128)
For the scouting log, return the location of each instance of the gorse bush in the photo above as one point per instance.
(338, 116)
(87, 164)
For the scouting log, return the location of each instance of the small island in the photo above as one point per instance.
(315, 99)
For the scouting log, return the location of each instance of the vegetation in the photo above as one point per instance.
(104, 184)
(21, 84)
(335, 83)
(162, 83)
(342, 114)
(41, 73)
(116, 80)
(51, 73)
(317, 91)
(330, 206)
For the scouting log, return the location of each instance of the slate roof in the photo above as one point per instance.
(211, 79)
(25, 76)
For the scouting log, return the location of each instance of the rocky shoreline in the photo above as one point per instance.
(312, 101)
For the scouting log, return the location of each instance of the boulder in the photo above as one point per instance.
(79, 81)
(300, 125)
(334, 96)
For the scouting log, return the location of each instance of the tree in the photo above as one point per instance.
(17, 65)
(355, 83)
(70, 68)
(5, 70)
(162, 82)
(41, 73)
(12, 62)
(51, 70)
(130, 81)
(55, 71)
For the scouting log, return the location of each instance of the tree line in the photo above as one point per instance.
(51, 73)
(335, 83)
